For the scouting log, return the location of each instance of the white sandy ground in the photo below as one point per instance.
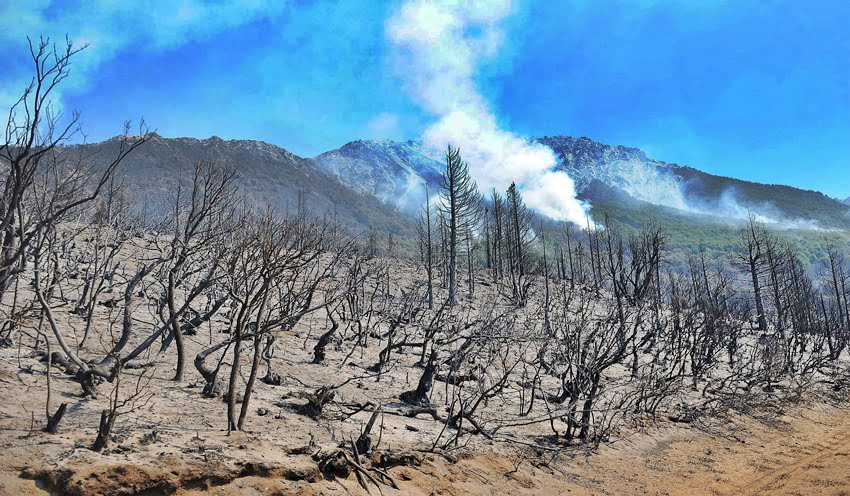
(804, 451)
(798, 449)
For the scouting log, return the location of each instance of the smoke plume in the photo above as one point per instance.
(441, 44)
(647, 182)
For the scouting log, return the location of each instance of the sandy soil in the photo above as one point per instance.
(804, 451)
(175, 443)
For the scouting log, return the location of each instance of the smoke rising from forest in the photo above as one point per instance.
(441, 45)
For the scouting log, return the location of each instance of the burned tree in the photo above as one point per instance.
(518, 241)
(40, 168)
(425, 230)
(192, 244)
(751, 257)
(460, 206)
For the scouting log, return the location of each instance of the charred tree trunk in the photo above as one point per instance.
(104, 430)
(419, 396)
(324, 340)
(54, 420)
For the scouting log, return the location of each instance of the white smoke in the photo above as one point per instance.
(730, 207)
(647, 182)
(640, 180)
(651, 183)
(441, 44)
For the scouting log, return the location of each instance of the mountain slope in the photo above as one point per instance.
(392, 171)
(692, 190)
(697, 209)
(267, 174)
(380, 184)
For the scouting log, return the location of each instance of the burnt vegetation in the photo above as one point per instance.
(504, 328)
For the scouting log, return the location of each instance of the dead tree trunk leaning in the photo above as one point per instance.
(325, 339)
(107, 421)
(137, 398)
(364, 443)
(54, 420)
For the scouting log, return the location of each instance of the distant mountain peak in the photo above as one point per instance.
(392, 170)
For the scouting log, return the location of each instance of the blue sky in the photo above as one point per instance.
(756, 90)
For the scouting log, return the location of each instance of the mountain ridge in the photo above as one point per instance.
(379, 184)
(267, 175)
(628, 169)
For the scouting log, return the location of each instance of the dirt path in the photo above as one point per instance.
(820, 467)
(805, 453)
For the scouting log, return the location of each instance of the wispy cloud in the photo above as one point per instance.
(114, 28)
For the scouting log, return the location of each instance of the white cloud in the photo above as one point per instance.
(441, 43)
(110, 27)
